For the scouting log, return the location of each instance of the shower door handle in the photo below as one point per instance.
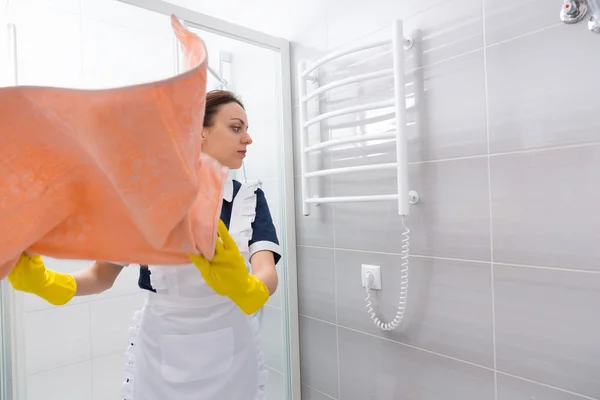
(573, 11)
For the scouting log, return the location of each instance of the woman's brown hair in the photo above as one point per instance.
(215, 99)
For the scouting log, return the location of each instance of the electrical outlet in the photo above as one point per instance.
(376, 271)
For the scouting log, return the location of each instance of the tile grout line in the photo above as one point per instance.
(335, 290)
(583, 396)
(491, 369)
(399, 343)
(505, 264)
(318, 391)
(524, 35)
(489, 176)
(418, 348)
(503, 153)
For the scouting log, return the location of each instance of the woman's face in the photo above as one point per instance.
(227, 139)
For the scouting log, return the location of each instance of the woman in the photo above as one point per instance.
(189, 341)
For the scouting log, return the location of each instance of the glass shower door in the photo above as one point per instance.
(256, 67)
(253, 72)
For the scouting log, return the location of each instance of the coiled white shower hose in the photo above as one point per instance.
(390, 326)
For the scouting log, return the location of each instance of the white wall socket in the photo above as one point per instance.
(376, 271)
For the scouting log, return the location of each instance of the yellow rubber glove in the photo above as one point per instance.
(227, 274)
(30, 275)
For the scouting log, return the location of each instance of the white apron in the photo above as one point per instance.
(188, 343)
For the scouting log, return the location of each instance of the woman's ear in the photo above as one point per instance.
(204, 134)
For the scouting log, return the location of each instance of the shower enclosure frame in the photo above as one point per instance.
(282, 47)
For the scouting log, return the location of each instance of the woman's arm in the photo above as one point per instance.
(263, 267)
(96, 279)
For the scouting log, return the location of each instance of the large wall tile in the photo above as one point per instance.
(446, 30)
(348, 21)
(276, 387)
(547, 327)
(315, 229)
(545, 208)
(73, 382)
(367, 226)
(510, 388)
(57, 337)
(318, 355)
(109, 375)
(316, 283)
(452, 219)
(271, 328)
(110, 322)
(449, 308)
(373, 368)
(532, 102)
(506, 20)
(449, 115)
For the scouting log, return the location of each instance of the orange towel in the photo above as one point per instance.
(114, 174)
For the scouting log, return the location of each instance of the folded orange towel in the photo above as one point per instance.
(114, 175)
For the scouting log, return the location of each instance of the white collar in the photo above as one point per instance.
(228, 190)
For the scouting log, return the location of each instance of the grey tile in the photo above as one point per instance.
(271, 328)
(545, 208)
(318, 355)
(505, 20)
(309, 393)
(350, 21)
(436, 290)
(510, 388)
(367, 226)
(276, 386)
(316, 283)
(547, 327)
(532, 104)
(446, 30)
(452, 219)
(372, 368)
(448, 119)
(315, 229)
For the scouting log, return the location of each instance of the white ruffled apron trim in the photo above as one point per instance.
(243, 213)
(242, 216)
(129, 383)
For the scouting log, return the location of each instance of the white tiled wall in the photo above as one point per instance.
(504, 277)
(76, 351)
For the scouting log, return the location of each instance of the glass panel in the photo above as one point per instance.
(77, 351)
(252, 72)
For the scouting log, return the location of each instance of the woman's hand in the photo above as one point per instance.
(30, 275)
(228, 276)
